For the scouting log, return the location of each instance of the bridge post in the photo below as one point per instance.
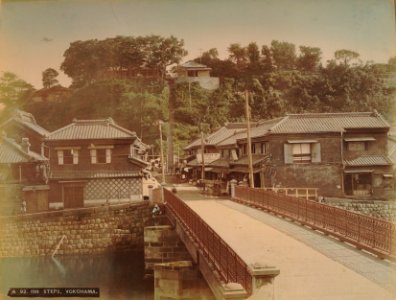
(233, 183)
(263, 279)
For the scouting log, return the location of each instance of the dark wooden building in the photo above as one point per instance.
(23, 178)
(23, 125)
(341, 154)
(93, 162)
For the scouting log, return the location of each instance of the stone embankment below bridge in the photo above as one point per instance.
(76, 231)
(385, 210)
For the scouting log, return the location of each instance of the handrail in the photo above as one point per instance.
(218, 253)
(372, 234)
(307, 193)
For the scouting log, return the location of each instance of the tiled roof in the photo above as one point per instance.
(91, 129)
(329, 122)
(219, 135)
(28, 120)
(194, 65)
(90, 174)
(263, 126)
(220, 163)
(193, 163)
(233, 139)
(11, 153)
(369, 160)
(256, 158)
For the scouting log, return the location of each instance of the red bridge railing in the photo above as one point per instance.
(218, 253)
(372, 234)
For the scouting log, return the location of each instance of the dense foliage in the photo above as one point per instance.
(125, 78)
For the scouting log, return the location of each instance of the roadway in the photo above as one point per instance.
(312, 265)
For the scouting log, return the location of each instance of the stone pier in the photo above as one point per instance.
(167, 259)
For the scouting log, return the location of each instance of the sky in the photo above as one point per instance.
(34, 34)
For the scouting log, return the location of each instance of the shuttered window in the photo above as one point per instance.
(101, 156)
(302, 153)
(60, 157)
(67, 157)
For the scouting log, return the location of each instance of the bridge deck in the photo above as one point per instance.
(312, 266)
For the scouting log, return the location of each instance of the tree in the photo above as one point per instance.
(13, 90)
(283, 54)
(163, 52)
(91, 60)
(309, 58)
(253, 53)
(49, 78)
(345, 56)
(237, 55)
(267, 61)
(85, 61)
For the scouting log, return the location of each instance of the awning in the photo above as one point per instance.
(359, 139)
(302, 141)
(35, 188)
(358, 171)
(243, 170)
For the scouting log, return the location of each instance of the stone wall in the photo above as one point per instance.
(162, 244)
(379, 209)
(84, 231)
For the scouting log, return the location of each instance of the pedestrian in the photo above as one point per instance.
(156, 211)
(23, 206)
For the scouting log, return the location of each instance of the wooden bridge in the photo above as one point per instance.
(230, 274)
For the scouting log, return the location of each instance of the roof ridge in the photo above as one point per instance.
(105, 120)
(281, 121)
(333, 114)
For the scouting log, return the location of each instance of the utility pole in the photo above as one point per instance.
(171, 101)
(202, 157)
(249, 141)
(162, 152)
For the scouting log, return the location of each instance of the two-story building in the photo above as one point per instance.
(211, 152)
(22, 124)
(93, 162)
(23, 178)
(341, 154)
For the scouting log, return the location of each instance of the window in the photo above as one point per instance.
(67, 156)
(192, 73)
(101, 156)
(301, 152)
(263, 148)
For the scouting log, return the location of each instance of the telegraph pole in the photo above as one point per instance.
(162, 152)
(202, 157)
(171, 101)
(249, 141)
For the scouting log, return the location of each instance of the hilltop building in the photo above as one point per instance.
(194, 72)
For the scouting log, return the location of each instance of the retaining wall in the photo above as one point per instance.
(379, 209)
(87, 231)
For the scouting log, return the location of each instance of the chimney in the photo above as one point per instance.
(25, 145)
